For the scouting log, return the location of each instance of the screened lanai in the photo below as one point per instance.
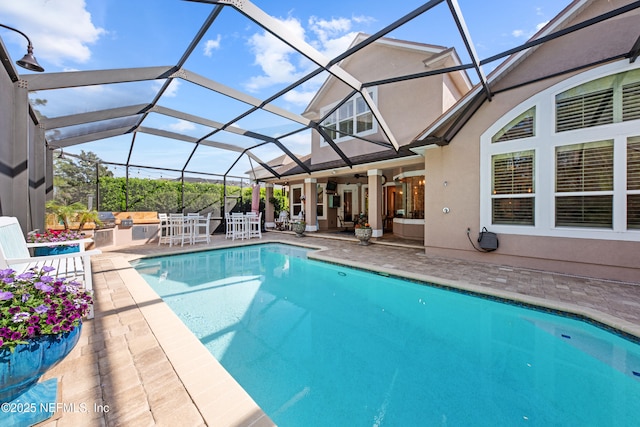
(211, 90)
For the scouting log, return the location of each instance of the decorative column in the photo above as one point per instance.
(375, 202)
(269, 209)
(310, 204)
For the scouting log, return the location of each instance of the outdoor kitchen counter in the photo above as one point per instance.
(143, 217)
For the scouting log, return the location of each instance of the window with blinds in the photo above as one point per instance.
(584, 211)
(633, 183)
(513, 189)
(582, 111)
(522, 126)
(633, 211)
(584, 185)
(631, 101)
(589, 181)
(610, 99)
(513, 210)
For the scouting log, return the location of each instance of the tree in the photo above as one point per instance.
(279, 201)
(75, 181)
(74, 178)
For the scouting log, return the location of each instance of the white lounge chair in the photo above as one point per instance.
(14, 254)
(282, 223)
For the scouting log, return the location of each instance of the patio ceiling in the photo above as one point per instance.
(147, 115)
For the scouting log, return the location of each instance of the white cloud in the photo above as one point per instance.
(181, 126)
(212, 45)
(362, 19)
(334, 47)
(298, 97)
(528, 34)
(280, 64)
(274, 57)
(326, 29)
(299, 143)
(541, 25)
(60, 30)
(172, 90)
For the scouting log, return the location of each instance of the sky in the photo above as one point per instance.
(78, 35)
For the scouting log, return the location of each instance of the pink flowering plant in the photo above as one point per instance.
(54, 236)
(34, 303)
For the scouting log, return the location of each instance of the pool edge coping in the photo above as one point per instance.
(215, 393)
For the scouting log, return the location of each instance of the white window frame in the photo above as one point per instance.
(374, 95)
(364, 202)
(632, 192)
(584, 193)
(514, 195)
(324, 203)
(544, 144)
(292, 205)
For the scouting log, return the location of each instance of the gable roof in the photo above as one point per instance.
(430, 51)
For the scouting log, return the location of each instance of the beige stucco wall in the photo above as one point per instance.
(458, 164)
(408, 229)
(588, 45)
(450, 94)
(406, 106)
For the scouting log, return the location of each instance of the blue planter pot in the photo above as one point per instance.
(55, 250)
(21, 370)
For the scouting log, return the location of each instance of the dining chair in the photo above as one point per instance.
(164, 232)
(229, 226)
(255, 225)
(238, 223)
(192, 220)
(180, 229)
(201, 229)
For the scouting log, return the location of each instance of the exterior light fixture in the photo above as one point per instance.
(28, 61)
(53, 148)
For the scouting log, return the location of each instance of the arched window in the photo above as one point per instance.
(566, 162)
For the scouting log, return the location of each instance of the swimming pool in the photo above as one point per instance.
(321, 344)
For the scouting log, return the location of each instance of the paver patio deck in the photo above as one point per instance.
(136, 365)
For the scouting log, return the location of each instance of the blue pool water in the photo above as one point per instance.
(318, 344)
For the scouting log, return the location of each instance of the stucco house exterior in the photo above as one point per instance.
(552, 162)
(545, 152)
(390, 181)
